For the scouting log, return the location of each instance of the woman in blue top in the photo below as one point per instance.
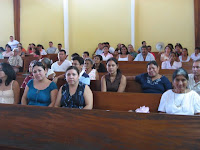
(74, 94)
(40, 91)
(152, 81)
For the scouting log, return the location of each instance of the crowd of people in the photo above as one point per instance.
(179, 97)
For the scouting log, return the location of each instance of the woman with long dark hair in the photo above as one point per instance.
(9, 88)
(114, 81)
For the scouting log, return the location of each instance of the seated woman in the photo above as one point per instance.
(8, 51)
(114, 81)
(9, 88)
(93, 74)
(152, 81)
(180, 100)
(21, 53)
(106, 55)
(184, 57)
(40, 91)
(47, 63)
(74, 94)
(165, 56)
(124, 55)
(172, 63)
(98, 64)
(30, 76)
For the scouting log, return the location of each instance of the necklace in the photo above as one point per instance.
(175, 103)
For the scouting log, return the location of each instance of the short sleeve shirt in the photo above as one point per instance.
(157, 86)
(39, 97)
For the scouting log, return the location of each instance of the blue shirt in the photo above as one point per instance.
(85, 79)
(157, 86)
(40, 97)
(99, 52)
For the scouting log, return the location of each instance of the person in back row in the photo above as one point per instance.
(152, 81)
(114, 81)
(144, 55)
(74, 94)
(106, 55)
(51, 49)
(196, 54)
(62, 64)
(172, 63)
(124, 55)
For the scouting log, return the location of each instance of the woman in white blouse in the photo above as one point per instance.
(184, 57)
(171, 63)
(180, 100)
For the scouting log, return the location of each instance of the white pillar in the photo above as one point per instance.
(133, 23)
(66, 24)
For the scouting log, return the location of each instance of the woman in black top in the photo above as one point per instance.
(98, 65)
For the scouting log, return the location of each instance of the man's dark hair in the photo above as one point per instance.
(143, 42)
(62, 50)
(87, 53)
(50, 42)
(60, 44)
(74, 55)
(79, 59)
(144, 47)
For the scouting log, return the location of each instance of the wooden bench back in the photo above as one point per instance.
(31, 127)
(125, 101)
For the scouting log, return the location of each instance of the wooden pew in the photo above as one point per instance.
(26, 62)
(125, 101)
(31, 127)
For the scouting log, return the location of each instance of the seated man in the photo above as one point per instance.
(15, 61)
(143, 44)
(144, 55)
(62, 64)
(83, 77)
(86, 55)
(131, 50)
(99, 50)
(51, 49)
(59, 48)
(194, 79)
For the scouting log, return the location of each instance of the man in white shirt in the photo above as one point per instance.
(59, 48)
(62, 64)
(51, 49)
(194, 79)
(144, 55)
(196, 54)
(13, 43)
(15, 61)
